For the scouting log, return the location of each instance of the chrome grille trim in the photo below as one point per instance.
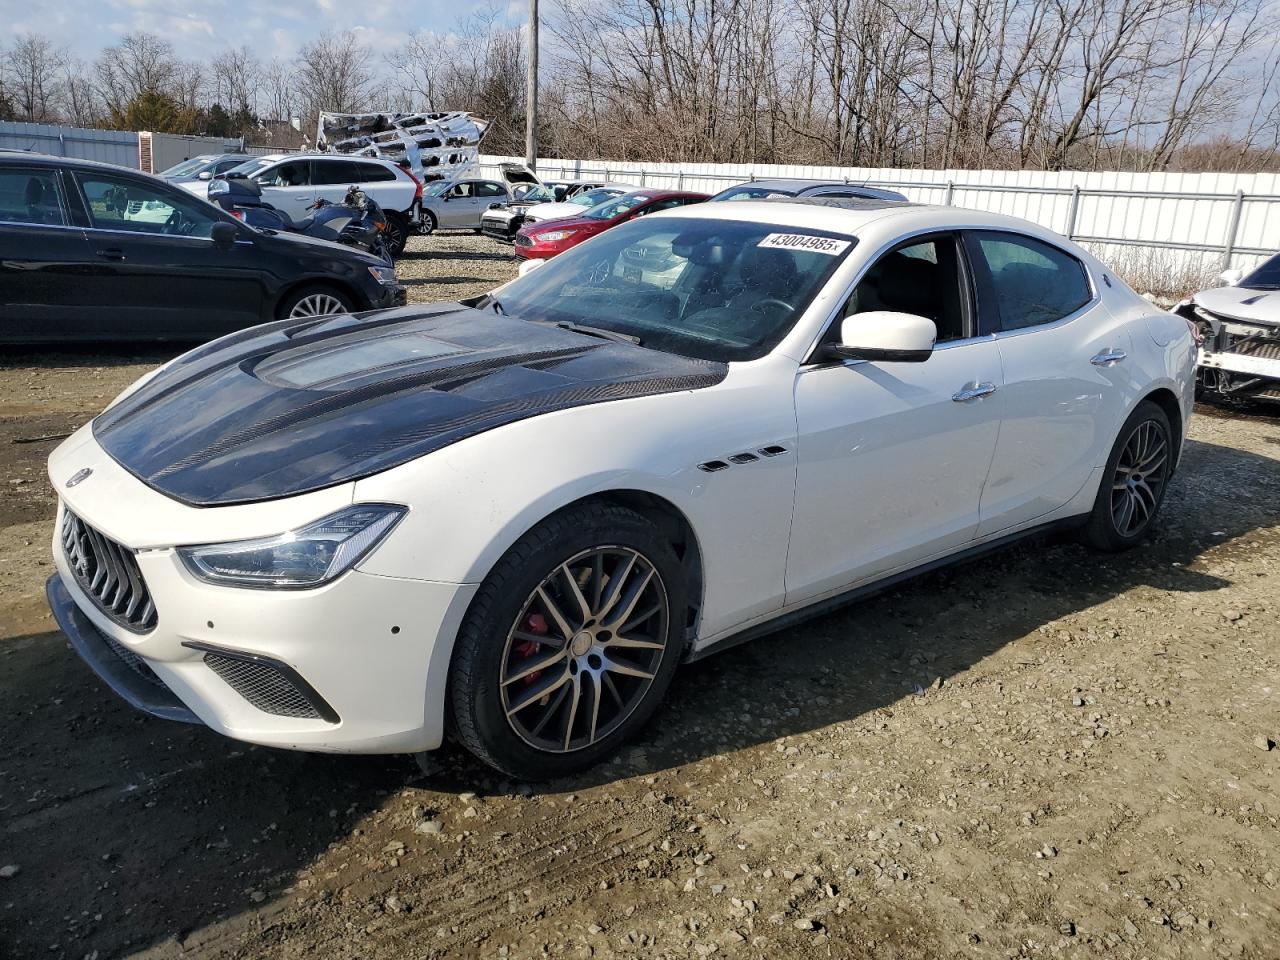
(108, 572)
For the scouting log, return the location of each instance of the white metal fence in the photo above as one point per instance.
(1204, 221)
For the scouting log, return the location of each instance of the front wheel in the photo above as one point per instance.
(1134, 481)
(429, 223)
(313, 301)
(570, 644)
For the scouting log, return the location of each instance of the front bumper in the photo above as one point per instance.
(388, 295)
(368, 653)
(1239, 359)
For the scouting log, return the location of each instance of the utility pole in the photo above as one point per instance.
(531, 92)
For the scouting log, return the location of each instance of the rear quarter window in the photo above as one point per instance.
(1032, 282)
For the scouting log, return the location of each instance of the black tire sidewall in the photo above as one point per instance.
(1100, 530)
(475, 696)
(400, 239)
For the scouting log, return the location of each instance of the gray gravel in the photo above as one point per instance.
(453, 265)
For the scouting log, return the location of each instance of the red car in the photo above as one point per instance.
(540, 241)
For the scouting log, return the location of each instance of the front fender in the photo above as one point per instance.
(470, 502)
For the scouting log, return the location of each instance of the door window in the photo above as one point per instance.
(336, 173)
(30, 196)
(1032, 282)
(461, 190)
(118, 203)
(487, 188)
(294, 173)
(921, 277)
(374, 173)
(222, 166)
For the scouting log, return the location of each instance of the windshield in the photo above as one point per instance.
(249, 167)
(590, 198)
(714, 289)
(194, 165)
(616, 208)
(1265, 277)
(748, 192)
(539, 195)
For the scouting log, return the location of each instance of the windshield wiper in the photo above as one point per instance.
(600, 332)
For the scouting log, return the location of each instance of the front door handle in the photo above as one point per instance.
(112, 253)
(1107, 357)
(974, 391)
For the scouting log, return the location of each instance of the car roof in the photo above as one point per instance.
(853, 216)
(797, 186)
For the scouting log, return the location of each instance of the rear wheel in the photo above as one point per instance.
(570, 643)
(1134, 482)
(396, 236)
(313, 301)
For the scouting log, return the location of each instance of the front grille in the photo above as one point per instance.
(109, 574)
(132, 661)
(523, 241)
(1264, 349)
(269, 686)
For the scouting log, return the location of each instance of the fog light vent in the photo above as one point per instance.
(270, 686)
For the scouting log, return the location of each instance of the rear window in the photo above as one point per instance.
(30, 196)
(375, 173)
(1265, 277)
(747, 192)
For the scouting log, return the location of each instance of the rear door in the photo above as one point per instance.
(1065, 372)
(330, 179)
(43, 258)
(156, 272)
(286, 185)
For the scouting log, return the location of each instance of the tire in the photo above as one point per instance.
(314, 300)
(397, 233)
(599, 687)
(429, 224)
(1145, 441)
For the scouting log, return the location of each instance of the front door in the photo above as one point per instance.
(461, 206)
(286, 185)
(157, 274)
(892, 455)
(43, 259)
(1064, 359)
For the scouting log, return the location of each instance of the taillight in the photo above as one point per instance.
(238, 214)
(417, 193)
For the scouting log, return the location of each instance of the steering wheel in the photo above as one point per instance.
(771, 302)
(178, 224)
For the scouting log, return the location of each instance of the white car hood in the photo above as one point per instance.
(1242, 303)
(555, 211)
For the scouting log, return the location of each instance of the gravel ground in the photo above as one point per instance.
(1046, 753)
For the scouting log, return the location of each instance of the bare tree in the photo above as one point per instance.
(235, 78)
(34, 65)
(334, 72)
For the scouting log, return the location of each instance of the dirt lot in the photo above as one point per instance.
(1048, 753)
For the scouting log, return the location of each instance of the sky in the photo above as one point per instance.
(272, 28)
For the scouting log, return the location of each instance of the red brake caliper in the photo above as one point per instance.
(534, 623)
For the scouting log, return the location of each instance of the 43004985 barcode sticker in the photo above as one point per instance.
(801, 241)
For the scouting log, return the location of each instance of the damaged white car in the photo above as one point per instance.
(1239, 332)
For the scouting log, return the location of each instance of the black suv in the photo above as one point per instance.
(90, 251)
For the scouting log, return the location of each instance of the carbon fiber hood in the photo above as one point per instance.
(294, 406)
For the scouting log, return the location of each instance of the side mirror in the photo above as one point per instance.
(223, 235)
(1231, 277)
(205, 175)
(529, 266)
(218, 187)
(887, 336)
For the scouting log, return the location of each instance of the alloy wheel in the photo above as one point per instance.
(317, 305)
(1140, 475)
(584, 649)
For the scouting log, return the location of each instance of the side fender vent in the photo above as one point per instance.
(772, 451)
(743, 458)
(713, 466)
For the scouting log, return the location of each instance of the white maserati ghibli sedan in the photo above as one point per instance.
(515, 517)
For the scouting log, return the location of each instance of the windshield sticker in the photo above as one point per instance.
(801, 241)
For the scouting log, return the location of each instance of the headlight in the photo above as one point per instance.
(551, 236)
(307, 557)
(383, 274)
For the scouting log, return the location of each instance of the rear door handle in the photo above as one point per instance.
(112, 253)
(1107, 357)
(974, 391)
